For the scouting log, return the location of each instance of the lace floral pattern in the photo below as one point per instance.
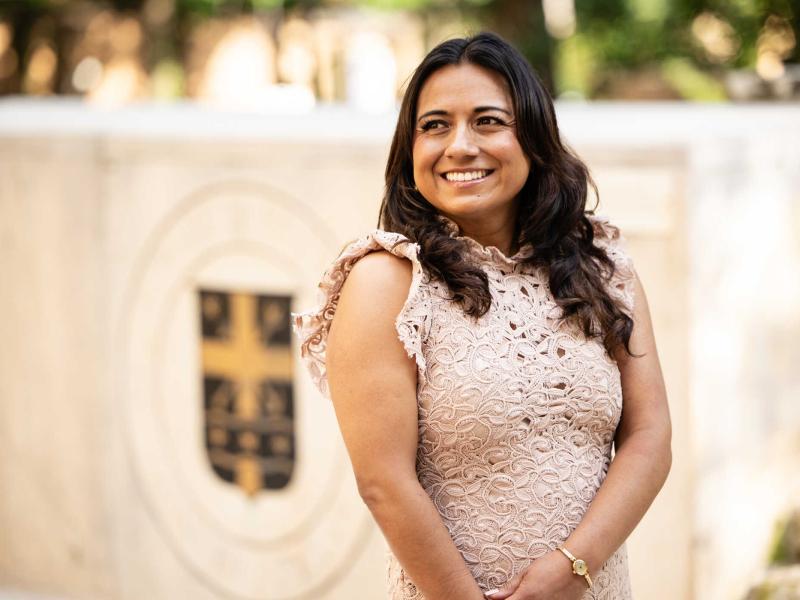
(517, 410)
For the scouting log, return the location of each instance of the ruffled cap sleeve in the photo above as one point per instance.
(412, 323)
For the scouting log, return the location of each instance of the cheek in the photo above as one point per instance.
(513, 157)
(424, 157)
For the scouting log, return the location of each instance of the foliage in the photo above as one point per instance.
(656, 40)
(785, 547)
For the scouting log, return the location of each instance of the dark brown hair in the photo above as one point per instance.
(551, 206)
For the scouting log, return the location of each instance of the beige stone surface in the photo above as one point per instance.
(54, 402)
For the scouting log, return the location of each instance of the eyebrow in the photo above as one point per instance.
(478, 109)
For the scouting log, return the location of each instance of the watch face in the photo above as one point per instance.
(580, 567)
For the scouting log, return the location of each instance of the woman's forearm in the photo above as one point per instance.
(419, 539)
(635, 476)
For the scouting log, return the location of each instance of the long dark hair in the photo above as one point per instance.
(551, 205)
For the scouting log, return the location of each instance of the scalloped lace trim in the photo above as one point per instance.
(490, 254)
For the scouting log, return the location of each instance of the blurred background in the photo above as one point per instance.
(259, 51)
(176, 175)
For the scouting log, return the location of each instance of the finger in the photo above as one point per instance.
(517, 594)
(506, 590)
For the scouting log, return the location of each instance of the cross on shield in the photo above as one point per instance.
(248, 395)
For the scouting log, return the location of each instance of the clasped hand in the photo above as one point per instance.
(548, 577)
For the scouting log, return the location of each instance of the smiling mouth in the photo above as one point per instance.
(487, 172)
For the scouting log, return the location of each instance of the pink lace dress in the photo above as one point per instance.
(516, 411)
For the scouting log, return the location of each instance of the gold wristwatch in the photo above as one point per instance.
(578, 566)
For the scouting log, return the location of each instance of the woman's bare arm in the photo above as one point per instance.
(373, 387)
(643, 454)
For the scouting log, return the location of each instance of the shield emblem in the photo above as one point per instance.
(248, 397)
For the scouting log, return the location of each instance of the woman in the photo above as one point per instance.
(478, 347)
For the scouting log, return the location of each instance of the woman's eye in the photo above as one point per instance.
(430, 125)
(495, 119)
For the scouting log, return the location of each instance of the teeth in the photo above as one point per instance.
(468, 176)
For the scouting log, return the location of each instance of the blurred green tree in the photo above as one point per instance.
(585, 49)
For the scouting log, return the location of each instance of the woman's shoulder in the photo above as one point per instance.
(609, 236)
(381, 267)
(379, 240)
(378, 275)
(373, 263)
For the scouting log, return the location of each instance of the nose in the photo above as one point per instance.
(462, 143)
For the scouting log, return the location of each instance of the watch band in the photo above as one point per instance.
(579, 566)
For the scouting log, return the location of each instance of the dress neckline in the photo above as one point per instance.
(485, 253)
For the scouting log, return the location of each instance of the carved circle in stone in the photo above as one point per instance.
(302, 538)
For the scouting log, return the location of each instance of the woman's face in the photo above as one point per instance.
(465, 129)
